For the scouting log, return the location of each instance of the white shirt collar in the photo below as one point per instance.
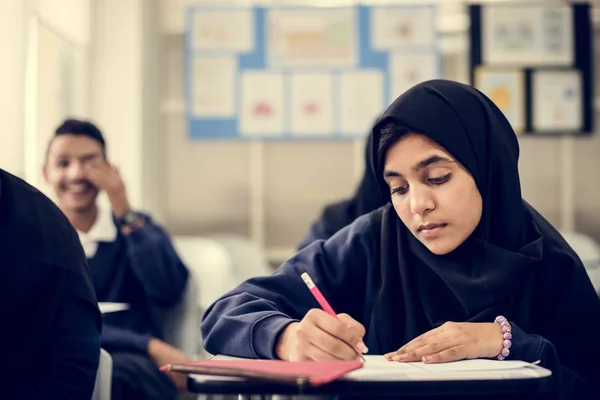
(103, 230)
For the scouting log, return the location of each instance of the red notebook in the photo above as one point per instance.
(300, 373)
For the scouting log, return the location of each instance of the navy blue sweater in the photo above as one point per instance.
(247, 321)
(143, 270)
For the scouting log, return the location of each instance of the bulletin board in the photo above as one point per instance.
(293, 73)
(535, 62)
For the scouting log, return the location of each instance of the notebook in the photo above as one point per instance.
(300, 373)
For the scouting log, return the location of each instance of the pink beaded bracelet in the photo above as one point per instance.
(507, 336)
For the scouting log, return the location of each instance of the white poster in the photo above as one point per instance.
(213, 89)
(312, 38)
(527, 35)
(262, 111)
(407, 69)
(505, 87)
(311, 104)
(223, 30)
(394, 27)
(557, 101)
(361, 101)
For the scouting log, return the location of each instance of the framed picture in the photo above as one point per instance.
(506, 88)
(557, 101)
(527, 35)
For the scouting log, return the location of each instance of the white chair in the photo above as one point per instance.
(103, 377)
(181, 324)
(249, 260)
(212, 271)
(589, 253)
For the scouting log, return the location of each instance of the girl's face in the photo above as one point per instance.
(432, 193)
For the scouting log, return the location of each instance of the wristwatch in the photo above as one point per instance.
(130, 219)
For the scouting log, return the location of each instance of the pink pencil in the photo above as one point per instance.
(318, 295)
(320, 298)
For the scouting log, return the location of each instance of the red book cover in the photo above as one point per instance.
(298, 373)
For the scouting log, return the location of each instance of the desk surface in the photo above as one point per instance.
(534, 382)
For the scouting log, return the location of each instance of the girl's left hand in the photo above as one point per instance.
(452, 341)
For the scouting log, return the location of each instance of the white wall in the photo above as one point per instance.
(56, 80)
(13, 28)
(71, 18)
(121, 101)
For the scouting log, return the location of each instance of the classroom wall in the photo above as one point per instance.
(35, 33)
(13, 29)
(207, 186)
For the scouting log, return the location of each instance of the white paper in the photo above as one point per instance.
(506, 89)
(377, 368)
(527, 35)
(361, 101)
(262, 111)
(557, 101)
(312, 38)
(393, 27)
(106, 307)
(213, 86)
(223, 30)
(311, 104)
(408, 69)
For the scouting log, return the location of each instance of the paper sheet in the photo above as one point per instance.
(505, 87)
(262, 113)
(557, 101)
(393, 27)
(112, 307)
(312, 37)
(213, 90)
(361, 101)
(407, 69)
(527, 35)
(223, 30)
(377, 368)
(311, 104)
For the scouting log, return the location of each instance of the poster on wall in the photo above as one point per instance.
(317, 37)
(506, 88)
(213, 90)
(223, 30)
(262, 111)
(311, 104)
(409, 68)
(557, 101)
(394, 27)
(527, 35)
(361, 101)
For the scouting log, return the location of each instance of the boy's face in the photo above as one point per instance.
(69, 158)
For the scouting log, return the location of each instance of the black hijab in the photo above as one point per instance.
(366, 199)
(514, 264)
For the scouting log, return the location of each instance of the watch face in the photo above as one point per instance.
(130, 217)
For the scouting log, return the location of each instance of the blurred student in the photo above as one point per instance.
(131, 259)
(338, 215)
(48, 311)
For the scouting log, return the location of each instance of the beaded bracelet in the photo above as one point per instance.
(507, 336)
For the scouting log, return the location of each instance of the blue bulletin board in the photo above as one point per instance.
(294, 73)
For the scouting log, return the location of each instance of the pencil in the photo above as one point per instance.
(320, 298)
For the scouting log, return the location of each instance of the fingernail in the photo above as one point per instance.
(426, 359)
(362, 347)
(399, 357)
